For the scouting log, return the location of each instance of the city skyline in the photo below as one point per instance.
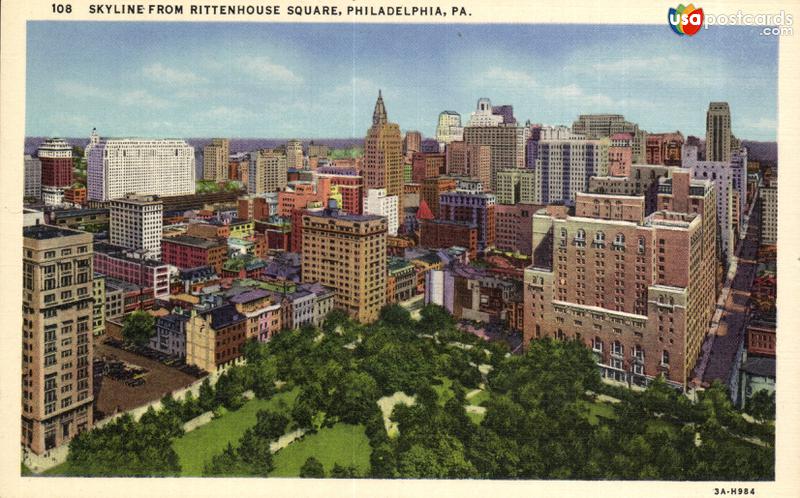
(327, 89)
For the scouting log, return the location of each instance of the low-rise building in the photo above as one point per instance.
(215, 338)
(170, 335)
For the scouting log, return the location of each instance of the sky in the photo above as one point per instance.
(261, 80)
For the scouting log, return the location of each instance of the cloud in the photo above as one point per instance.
(575, 93)
(163, 74)
(764, 124)
(78, 90)
(142, 98)
(266, 70)
(510, 77)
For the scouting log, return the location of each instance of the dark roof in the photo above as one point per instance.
(225, 316)
(248, 296)
(119, 252)
(58, 213)
(764, 367)
(43, 232)
(199, 272)
(188, 240)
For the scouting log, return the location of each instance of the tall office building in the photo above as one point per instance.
(267, 172)
(383, 158)
(56, 157)
(718, 132)
(56, 336)
(378, 203)
(769, 213)
(471, 161)
(638, 290)
(294, 154)
(348, 254)
(33, 177)
(563, 168)
(412, 142)
(664, 148)
(596, 126)
(730, 183)
(117, 167)
(215, 160)
(507, 142)
(449, 128)
(136, 223)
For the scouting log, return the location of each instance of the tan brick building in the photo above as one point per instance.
(639, 290)
(432, 188)
(348, 254)
(472, 161)
(383, 156)
(56, 336)
(216, 160)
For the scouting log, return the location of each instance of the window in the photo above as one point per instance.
(597, 345)
(617, 348)
(619, 239)
(665, 358)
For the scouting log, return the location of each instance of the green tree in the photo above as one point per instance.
(761, 405)
(138, 328)
(255, 452)
(396, 316)
(270, 425)
(340, 472)
(207, 397)
(312, 468)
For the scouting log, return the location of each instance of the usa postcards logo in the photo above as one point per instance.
(685, 20)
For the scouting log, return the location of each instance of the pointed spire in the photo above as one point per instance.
(379, 114)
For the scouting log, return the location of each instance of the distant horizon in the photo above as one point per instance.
(288, 80)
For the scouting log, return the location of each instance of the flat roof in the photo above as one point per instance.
(44, 232)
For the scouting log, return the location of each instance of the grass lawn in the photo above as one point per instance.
(479, 399)
(196, 448)
(597, 408)
(476, 418)
(24, 471)
(58, 470)
(343, 444)
(656, 425)
(443, 390)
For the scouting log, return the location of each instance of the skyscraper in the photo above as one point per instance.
(383, 158)
(595, 126)
(507, 142)
(146, 166)
(718, 132)
(215, 160)
(56, 336)
(294, 154)
(449, 128)
(136, 224)
(33, 177)
(56, 157)
(267, 172)
(348, 254)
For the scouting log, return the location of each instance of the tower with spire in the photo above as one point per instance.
(383, 156)
(379, 114)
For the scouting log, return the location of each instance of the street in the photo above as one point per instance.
(723, 341)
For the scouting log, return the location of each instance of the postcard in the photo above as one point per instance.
(399, 249)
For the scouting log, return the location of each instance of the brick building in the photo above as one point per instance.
(639, 292)
(185, 251)
(56, 336)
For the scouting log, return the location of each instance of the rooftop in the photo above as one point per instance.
(44, 232)
(764, 367)
(188, 240)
